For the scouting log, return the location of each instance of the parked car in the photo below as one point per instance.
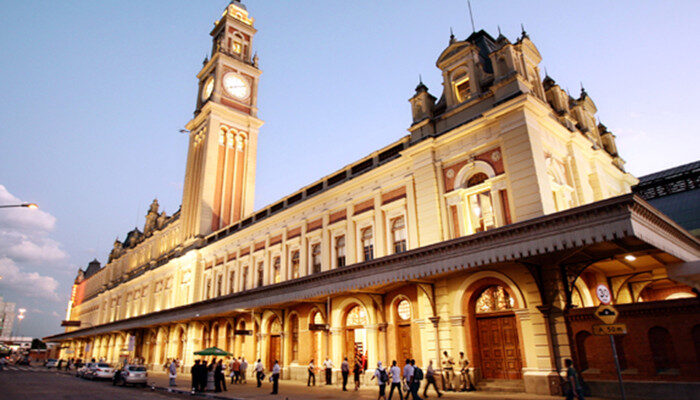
(100, 371)
(83, 370)
(132, 375)
(51, 363)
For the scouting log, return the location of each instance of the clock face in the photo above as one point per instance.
(208, 88)
(236, 86)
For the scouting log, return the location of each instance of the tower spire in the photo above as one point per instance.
(452, 36)
(471, 15)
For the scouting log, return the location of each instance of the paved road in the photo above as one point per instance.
(38, 383)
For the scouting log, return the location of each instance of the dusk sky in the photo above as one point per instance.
(93, 94)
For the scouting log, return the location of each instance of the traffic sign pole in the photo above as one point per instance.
(617, 367)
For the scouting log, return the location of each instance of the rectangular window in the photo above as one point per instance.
(340, 251)
(244, 278)
(398, 234)
(232, 282)
(261, 274)
(276, 273)
(295, 264)
(219, 284)
(315, 258)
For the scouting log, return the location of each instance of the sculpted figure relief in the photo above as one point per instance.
(151, 218)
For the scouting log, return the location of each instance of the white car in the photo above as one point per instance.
(51, 363)
(132, 375)
(100, 371)
(83, 370)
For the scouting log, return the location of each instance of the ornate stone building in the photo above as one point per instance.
(485, 230)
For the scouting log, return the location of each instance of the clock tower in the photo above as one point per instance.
(220, 173)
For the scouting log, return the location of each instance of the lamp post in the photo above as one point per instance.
(27, 205)
(20, 317)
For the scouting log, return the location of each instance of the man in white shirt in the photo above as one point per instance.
(242, 370)
(259, 372)
(275, 377)
(328, 366)
(395, 375)
(382, 377)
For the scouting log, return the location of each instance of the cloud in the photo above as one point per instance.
(30, 284)
(22, 247)
(24, 219)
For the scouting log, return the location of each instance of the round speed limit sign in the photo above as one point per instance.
(603, 294)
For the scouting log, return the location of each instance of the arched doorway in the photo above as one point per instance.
(274, 342)
(206, 339)
(355, 332)
(294, 336)
(240, 339)
(162, 343)
(180, 344)
(402, 323)
(151, 353)
(497, 334)
(214, 336)
(317, 337)
(229, 338)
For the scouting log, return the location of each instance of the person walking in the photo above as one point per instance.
(407, 376)
(447, 371)
(243, 367)
(328, 366)
(416, 377)
(312, 373)
(172, 373)
(202, 376)
(465, 382)
(234, 368)
(275, 377)
(357, 371)
(210, 376)
(430, 380)
(573, 387)
(259, 374)
(345, 371)
(382, 379)
(219, 378)
(395, 375)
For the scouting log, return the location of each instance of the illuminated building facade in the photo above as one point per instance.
(485, 230)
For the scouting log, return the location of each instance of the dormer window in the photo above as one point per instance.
(462, 86)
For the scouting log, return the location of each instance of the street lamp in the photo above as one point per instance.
(27, 205)
(20, 317)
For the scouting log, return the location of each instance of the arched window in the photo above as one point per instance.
(367, 244)
(294, 321)
(340, 251)
(493, 299)
(295, 264)
(357, 316)
(316, 258)
(276, 270)
(398, 234)
(581, 350)
(477, 179)
(261, 273)
(206, 341)
(403, 310)
(232, 282)
(662, 352)
(219, 285)
(244, 278)
(208, 291)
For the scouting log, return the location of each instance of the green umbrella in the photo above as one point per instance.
(212, 351)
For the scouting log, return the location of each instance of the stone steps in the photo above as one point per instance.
(501, 385)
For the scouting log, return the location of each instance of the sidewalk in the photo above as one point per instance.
(295, 390)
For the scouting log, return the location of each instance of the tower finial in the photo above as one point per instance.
(522, 28)
(471, 15)
(499, 30)
(452, 36)
(420, 78)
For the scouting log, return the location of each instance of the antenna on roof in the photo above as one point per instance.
(420, 78)
(499, 30)
(471, 15)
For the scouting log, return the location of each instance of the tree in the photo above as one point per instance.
(38, 344)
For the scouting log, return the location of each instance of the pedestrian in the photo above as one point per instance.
(573, 383)
(242, 370)
(395, 376)
(210, 375)
(345, 371)
(219, 379)
(275, 377)
(202, 375)
(235, 369)
(259, 372)
(407, 376)
(312, 373)
(447, 371)
(430, 379)
(173, 372)
(357, 370)
(60, 362)
(465, 382)
(328, 366)
(382, 379)
(194, 371)
(417, 376)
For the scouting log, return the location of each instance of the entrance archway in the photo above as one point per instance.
(498, 344)
(355, 332)
(240, 339)
(402, 324)
(317, 337)
(274, 342)
(180, 344)
(229, 338)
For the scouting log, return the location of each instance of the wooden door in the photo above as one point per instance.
(403, 333)
(274, 351)
(349, 344)
(499, 347)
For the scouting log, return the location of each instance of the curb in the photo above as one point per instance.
(189, 393)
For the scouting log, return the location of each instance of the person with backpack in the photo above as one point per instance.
(395, 373)
(382, 379)
(416, 377)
